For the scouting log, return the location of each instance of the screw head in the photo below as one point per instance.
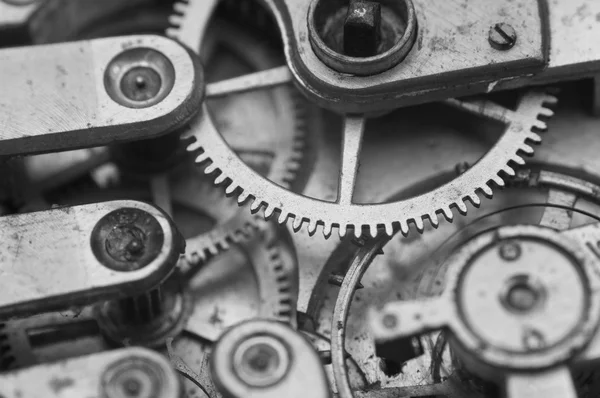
(127, 239)
(509, 251)
(126, 243)
(533, 339)
(502, 36)
(522, 294)
(390, 321)
(261, 361)
(522, 297)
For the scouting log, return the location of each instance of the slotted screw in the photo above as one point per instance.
(502, 36)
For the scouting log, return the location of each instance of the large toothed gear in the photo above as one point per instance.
(228, 170)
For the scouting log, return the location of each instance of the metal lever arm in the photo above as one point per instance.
(79, 255)
(97, 92)
(131, 372)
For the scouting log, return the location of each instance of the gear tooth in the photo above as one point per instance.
(527, 149)
(420, 224)
(211, 168)
(312, 227)
(487, 191)
(404, 227)
(447, 213)
(292, 166)
(509, 170)
(186, 134)
(461, 207)
(498, 181)
(230, 189)
(202, 257)
(299, 147)
(173, 33)
(175, 20)
(534, 137)
(518, 160)
(255, 206)
(195, 258)
(357, 232)
(389, 229)
(373, 231)
(546, 112)
(283, 216)
(327, 230)
(213, 250)
(225, 244)
(550, 99)
(221, 179)
(540, 125)
(243, 196)
(180, 7)
(269, 212)
(434, 220)
(193, 146)
(474, 199)
(297, 224)
(342, 230)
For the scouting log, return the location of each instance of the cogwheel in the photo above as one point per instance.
(277, 300)
(7, 359)
(15, 350)
(286, 141)
(225, 293)
(228, 170)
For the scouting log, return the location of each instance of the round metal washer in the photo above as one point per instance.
(139, 77)
(134, 377)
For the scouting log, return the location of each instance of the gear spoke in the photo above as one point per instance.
(250, 82)
(354, 127)
(191, 32)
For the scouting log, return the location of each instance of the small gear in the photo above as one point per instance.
(225, 293)
(277, 300)
(7, 359)
(15, 349)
